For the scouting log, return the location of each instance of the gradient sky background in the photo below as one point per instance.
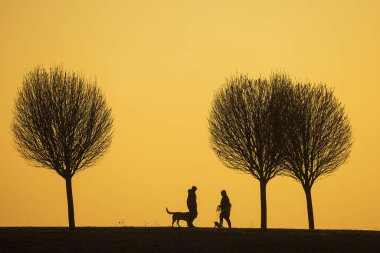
(158, 64)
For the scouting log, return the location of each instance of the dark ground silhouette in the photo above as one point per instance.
(167, 239)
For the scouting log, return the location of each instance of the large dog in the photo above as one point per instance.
(177, 216)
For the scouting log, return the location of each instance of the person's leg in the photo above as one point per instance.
(227, 217)
(228, 221)
(193, 215)
(189, 224)
(221, 218)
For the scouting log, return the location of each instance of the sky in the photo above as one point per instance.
(159, 63)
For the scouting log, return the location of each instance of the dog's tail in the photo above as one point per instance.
(168, 211)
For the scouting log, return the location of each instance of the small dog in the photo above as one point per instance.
(217, 225)
(177, 216)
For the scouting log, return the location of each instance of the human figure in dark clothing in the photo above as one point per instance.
(225, 208)
(192, 205)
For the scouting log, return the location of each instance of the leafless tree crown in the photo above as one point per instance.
(316, 135)
(61, 121)
(241, 125)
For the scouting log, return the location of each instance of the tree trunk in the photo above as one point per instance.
(70, 203)
(309, 202)
(263, 198)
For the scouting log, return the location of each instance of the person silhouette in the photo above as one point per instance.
(225, 208)
(192, 205)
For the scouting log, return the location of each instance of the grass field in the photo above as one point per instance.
(167, 239)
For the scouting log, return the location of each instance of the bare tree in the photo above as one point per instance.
(315, 135)
(242, 130)
(61, 122)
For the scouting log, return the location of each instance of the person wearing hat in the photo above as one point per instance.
(192, 205)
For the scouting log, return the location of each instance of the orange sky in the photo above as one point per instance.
(159, 63)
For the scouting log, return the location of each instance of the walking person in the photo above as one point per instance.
(192, 205)
(225, 208)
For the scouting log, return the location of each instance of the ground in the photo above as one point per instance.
(167, 239)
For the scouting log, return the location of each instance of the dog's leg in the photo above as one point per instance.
(173, 220)
(178, 223)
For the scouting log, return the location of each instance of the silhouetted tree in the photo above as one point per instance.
(241, 126)
(61, 122)
(315, 135)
